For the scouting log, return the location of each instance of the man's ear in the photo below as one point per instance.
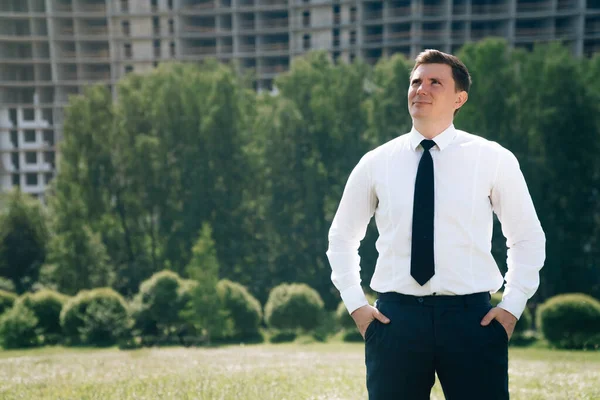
(461, 99)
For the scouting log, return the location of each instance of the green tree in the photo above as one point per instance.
(191, 144)
(557, 112)
(23, 239)
(77, 255)
(314, 131)
(80, 261)
(205, 309)
(187, 126)
(491, 108)
(168, 153)
(89, 189)
(387, 104)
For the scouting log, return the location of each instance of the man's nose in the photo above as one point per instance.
(421, 89)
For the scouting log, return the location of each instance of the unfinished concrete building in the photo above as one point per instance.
(50, 49)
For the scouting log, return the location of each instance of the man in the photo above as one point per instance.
(433, 192)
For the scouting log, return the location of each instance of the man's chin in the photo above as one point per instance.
(415, 114)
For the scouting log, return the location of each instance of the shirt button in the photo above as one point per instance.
(420, 299)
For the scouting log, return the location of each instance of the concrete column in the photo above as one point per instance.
(512, 21)
(448, 28)
(580, 28)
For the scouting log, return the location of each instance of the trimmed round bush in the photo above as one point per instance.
(7, 300)
(46, 305)
(17, 328)
(523, 324)
(156, 307)
(293, 306)
(570, 321)
(95, 317)
(242, 308)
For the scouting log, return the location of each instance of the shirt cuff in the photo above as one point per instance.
(354, 298)
(514, 302)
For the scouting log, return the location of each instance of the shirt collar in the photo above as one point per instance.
(442, 140)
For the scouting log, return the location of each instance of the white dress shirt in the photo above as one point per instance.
(473, 178)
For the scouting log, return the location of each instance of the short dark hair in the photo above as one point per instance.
(460, 73)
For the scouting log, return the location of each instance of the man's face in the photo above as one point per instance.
(432, 93)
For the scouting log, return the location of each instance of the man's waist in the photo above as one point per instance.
(435, 299)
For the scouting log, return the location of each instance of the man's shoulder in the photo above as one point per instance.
(389, 147)
(466, 138)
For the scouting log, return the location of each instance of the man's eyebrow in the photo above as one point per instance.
(433, 78)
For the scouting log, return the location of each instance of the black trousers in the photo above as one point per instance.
(436, 334)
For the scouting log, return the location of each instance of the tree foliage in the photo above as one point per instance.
(191, 144)
(23, 239)
(205, 308)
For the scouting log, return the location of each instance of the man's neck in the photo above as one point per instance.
(431, 129)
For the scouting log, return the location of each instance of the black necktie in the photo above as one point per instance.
(421, 262)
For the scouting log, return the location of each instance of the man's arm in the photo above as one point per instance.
(348, 228)
(525, 238)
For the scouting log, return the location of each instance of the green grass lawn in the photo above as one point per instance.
(284, 371)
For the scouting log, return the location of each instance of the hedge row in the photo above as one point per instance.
(102, 317)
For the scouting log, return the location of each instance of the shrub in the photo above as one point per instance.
(293, 306)
(523, 324)
(352, 335)
(46, 305)
(95, 317)
(17, 328)
(7, 300)
(71, 316)
(283, 337)
(327, 327)
(242, 308)
(571, 321)
(156, 307)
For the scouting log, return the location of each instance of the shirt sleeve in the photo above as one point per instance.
(521, 227)
(348, 228)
